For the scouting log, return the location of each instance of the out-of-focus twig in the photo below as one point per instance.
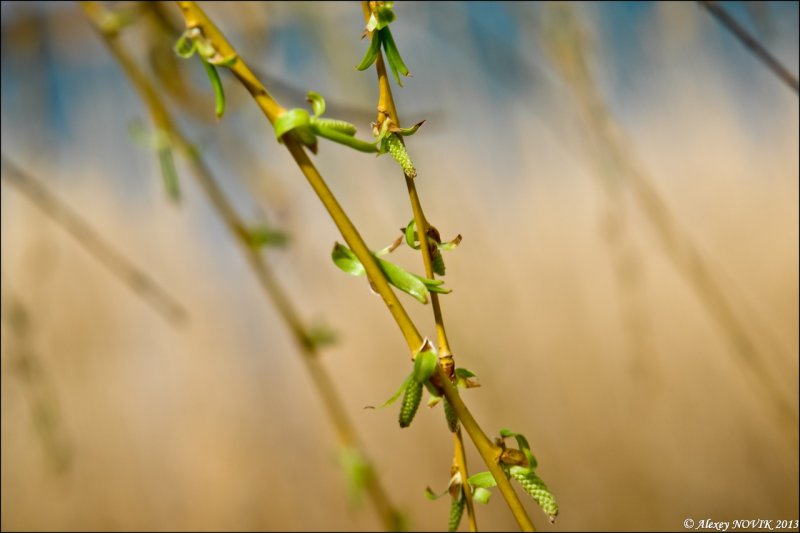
(24, 363)
(750, 42)
(138, 281)
(563, 40)
(272, 289)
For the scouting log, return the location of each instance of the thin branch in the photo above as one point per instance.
(309, 350)
(761, 53)
(196, 18)
(387, 108)
(134, 278)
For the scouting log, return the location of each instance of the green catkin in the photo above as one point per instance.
(337, 125)
(534, 486)
(456, 512)
(438, 261)
(398, 151)
(450, 415)
(411, 398)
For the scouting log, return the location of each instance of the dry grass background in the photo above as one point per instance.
(214, 425)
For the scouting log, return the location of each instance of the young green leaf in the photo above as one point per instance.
(317, 103)
(185, 46)
(406, 132)
(318, 127)
(433, 496)
(169, 173)
(393, 55)
(397, 393)
(340, 126)
(481, 495)
(346, 260)
(404, 280)
(482, 479)
(411, 234)
(372, 52)
(425, 365)
(219, 91)
(451, 245)
(293, 119)
(522, 442)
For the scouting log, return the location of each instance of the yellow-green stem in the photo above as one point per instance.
(490, 453)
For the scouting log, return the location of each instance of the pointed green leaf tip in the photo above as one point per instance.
(425, 364)
(219, 91)
(372, 52)
(522, 442)
(416, 286)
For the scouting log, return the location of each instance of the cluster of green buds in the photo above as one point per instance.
(192, 40)
(520, 464)
(306, 127)
(378, 27)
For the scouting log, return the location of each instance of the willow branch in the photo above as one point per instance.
(274, 292)
(196, 18)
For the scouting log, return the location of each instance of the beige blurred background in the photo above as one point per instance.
(616, 171)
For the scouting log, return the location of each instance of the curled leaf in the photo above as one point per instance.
(317, 103)
(406, 132)
(522, 442)
(291, 120)
(411, 234)
(372, 52)
(219, 91)
(185, 46)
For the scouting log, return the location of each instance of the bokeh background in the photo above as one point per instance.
(624, 175)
